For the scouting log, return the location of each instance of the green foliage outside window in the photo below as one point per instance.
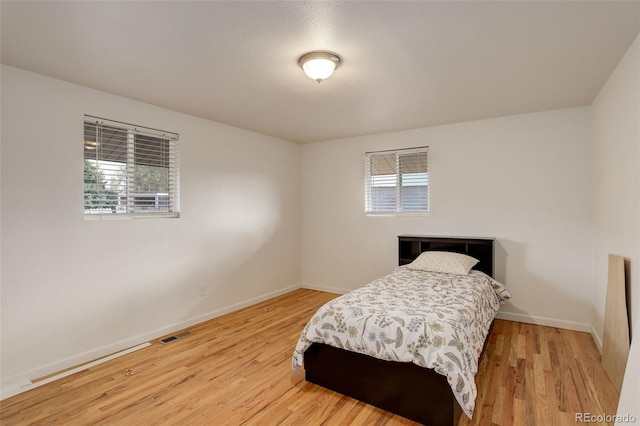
(96, 193)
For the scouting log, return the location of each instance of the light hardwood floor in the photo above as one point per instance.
(236, 369)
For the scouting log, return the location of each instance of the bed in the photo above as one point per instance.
(408, 342)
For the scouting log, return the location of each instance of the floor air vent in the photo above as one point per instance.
(176, 337)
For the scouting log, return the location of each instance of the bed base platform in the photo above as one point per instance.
(417, 393)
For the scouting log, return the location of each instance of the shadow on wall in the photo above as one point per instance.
(245, 215)
(499, 262)
(631, 314)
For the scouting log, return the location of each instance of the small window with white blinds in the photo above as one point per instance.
(129, 171)
(397, 181)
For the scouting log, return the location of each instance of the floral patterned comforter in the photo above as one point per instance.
(434, 320)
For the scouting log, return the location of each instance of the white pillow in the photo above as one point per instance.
(444, 261)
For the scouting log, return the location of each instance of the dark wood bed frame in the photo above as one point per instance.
(417, 393)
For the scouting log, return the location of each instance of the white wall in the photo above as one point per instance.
(74, 290)
(616, 129)
(523, 179)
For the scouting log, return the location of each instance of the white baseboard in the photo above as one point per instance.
(551, 322)
(326, 289)
(597, 339)
(21, 383)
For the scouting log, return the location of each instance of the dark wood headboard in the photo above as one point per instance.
(410, 247)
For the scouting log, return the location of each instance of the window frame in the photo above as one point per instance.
(397, 180)
(137, 139)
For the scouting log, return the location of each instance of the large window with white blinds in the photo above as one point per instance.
(129, 171)
(397, 182)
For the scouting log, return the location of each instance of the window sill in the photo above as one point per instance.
(124, 216)
(387, 214)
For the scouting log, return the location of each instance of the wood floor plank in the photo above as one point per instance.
(236, 369)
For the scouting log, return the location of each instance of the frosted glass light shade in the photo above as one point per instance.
(319, 66)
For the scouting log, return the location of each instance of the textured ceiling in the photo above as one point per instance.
(405, 64)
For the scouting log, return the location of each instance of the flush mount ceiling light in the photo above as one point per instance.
(319, 66)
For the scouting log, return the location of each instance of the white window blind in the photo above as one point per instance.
(129, 170)
(397, 181)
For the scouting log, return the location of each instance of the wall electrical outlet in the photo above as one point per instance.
(203, 290)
